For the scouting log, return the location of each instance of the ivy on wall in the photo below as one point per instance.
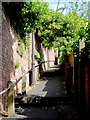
(16, 64)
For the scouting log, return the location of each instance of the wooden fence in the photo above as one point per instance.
(77, 76)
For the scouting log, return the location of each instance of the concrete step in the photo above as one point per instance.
(52, 73)
(23, 118)
(47, 109)
(28, 101)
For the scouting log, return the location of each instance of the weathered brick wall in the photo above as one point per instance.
(0, 55)
(9, 56)
(51, 57)
(47, 55)
(44, 56)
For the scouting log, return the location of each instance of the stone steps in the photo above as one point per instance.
(34, 107)
(39, 101)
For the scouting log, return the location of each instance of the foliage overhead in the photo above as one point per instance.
(54, 28)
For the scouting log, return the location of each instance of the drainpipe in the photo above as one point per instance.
(89, 10)
(33, 62)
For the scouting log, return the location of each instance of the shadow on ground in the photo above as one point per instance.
(47, 101)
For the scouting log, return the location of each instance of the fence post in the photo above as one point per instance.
(11, 108)
(24, 83)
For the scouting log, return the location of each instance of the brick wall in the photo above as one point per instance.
(9, 55)
(47, 55)
(0, 55)
(51, 57)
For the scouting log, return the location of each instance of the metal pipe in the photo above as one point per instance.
(22, 77)
(89, 11)
(33, 62)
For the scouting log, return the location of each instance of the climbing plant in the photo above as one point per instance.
(64, 31)
(37, 56)
(16, 64)
(54, 28)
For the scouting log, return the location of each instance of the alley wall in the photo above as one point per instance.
(9, 56)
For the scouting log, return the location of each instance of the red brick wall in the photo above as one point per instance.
(0, 55)
(9, 56)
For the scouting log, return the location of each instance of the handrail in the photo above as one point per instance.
(22, 77)
(4, 91)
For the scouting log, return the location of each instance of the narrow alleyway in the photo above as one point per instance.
(47, 101)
